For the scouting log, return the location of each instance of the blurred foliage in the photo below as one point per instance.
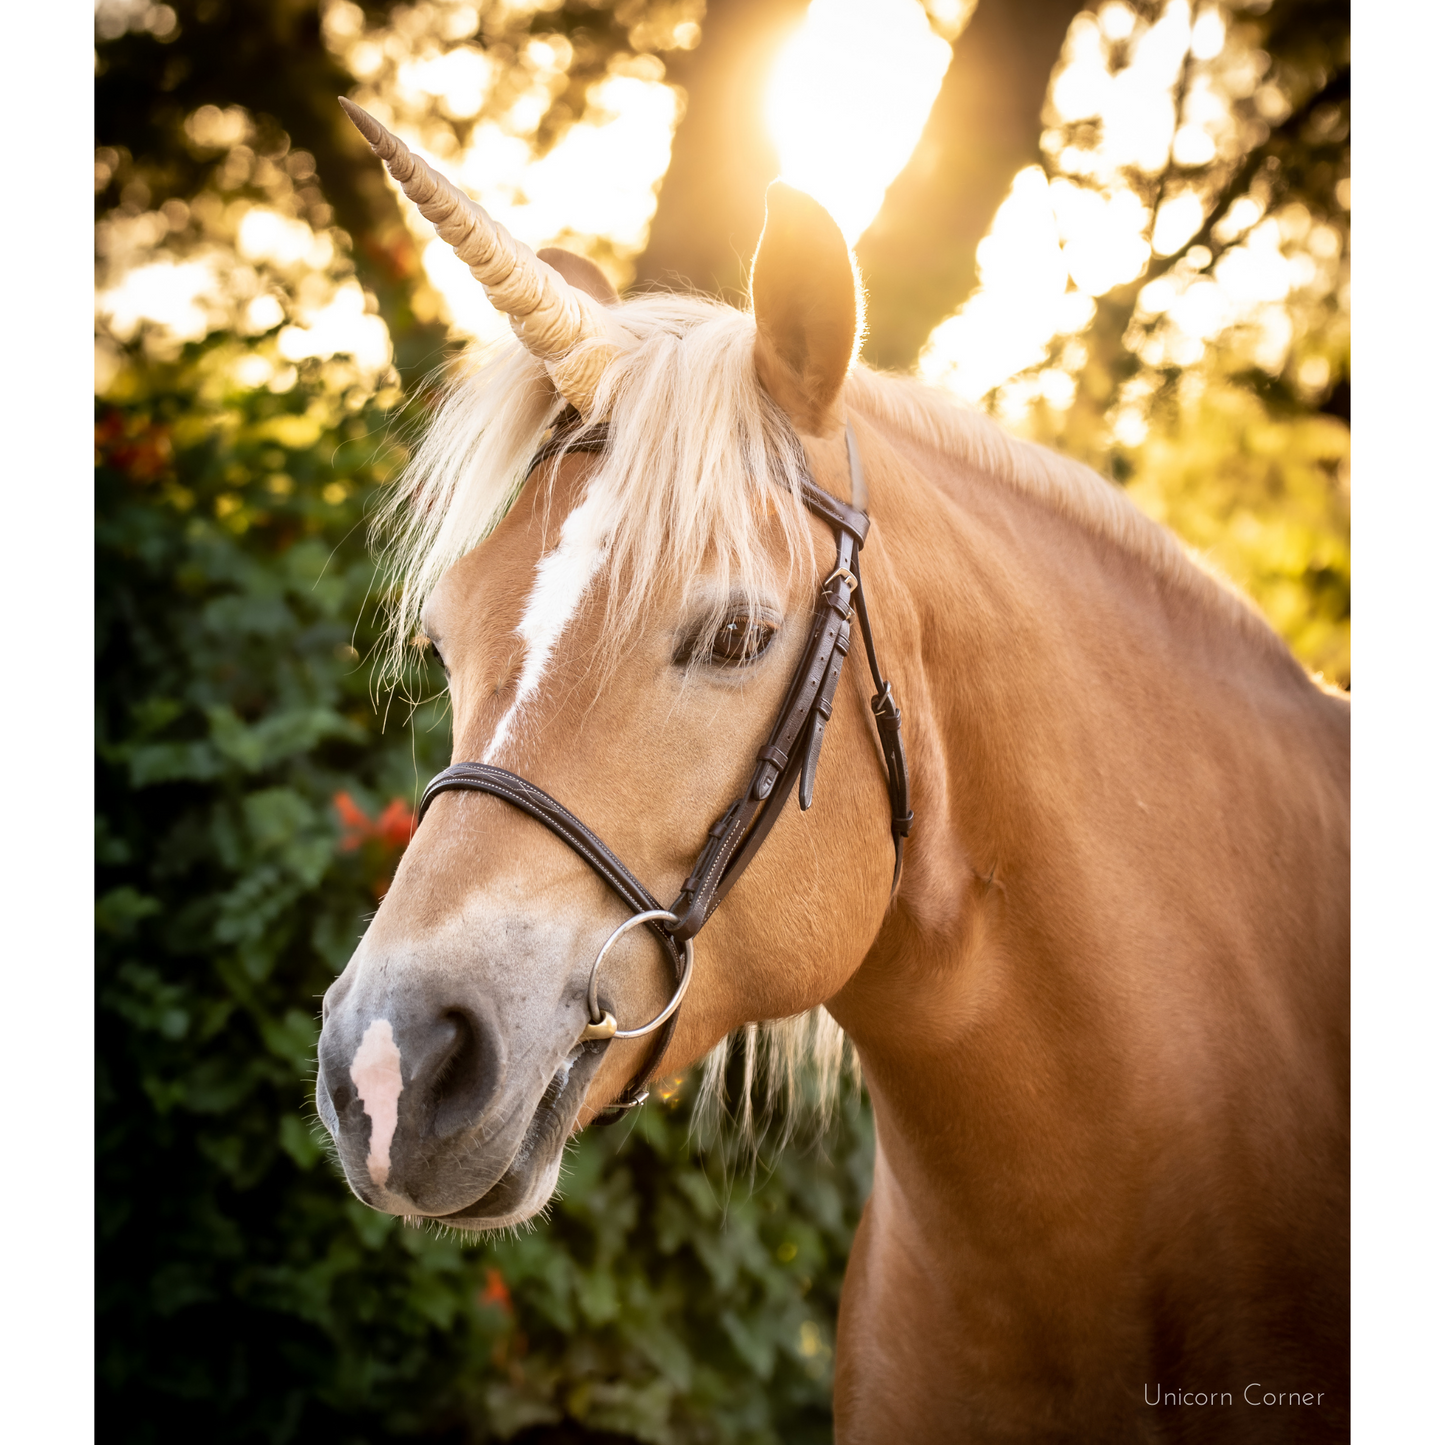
(1235, 433)
(1262, 497)
(209, 102)
(247, 821)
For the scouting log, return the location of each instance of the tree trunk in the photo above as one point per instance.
(710, 210)
(918, 256)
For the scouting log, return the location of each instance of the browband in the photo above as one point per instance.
(790, 754)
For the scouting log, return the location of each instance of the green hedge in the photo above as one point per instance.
(244, 1294)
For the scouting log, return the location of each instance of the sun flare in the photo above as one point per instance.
(848, 98)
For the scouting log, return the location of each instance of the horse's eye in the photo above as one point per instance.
(739, 641)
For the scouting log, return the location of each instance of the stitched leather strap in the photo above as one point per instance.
(838, 515)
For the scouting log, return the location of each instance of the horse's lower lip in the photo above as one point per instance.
(554, 1115)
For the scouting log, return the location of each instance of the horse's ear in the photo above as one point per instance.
(578, 271)
(806, 300)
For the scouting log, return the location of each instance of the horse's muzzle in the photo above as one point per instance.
(429, 1117)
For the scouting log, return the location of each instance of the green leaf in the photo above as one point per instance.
(280, 735)
(299, 1141)
(119, 911)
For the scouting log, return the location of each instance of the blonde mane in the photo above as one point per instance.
(695, 457)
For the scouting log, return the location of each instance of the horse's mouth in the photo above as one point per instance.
(528, 1181)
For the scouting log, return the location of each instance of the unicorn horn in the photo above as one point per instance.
(563, 327)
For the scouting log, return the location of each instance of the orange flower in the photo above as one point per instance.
(141, 450)
(388, 834)
(396, 824)
(495, 1292)
(357, 825)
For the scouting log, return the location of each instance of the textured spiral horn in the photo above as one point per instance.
(562, 326)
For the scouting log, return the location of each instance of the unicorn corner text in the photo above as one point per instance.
(1253, 1394)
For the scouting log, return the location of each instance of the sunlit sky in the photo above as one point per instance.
(849, 93)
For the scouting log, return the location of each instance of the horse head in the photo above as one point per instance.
(605, 538)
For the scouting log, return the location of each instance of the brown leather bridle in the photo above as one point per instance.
(790, 753)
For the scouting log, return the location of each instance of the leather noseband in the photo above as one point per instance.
(790, 755)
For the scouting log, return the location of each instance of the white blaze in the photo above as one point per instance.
(376, 1072)
(562, 579)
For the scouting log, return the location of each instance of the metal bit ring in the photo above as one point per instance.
(602, 1024)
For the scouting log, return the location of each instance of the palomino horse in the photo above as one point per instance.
(1103, 1017)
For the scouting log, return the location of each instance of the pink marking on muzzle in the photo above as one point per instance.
(376, 1072)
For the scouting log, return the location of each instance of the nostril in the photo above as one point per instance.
(467, 1074)
(450, 1042)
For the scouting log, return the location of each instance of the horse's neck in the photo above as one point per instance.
(1130, 808)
